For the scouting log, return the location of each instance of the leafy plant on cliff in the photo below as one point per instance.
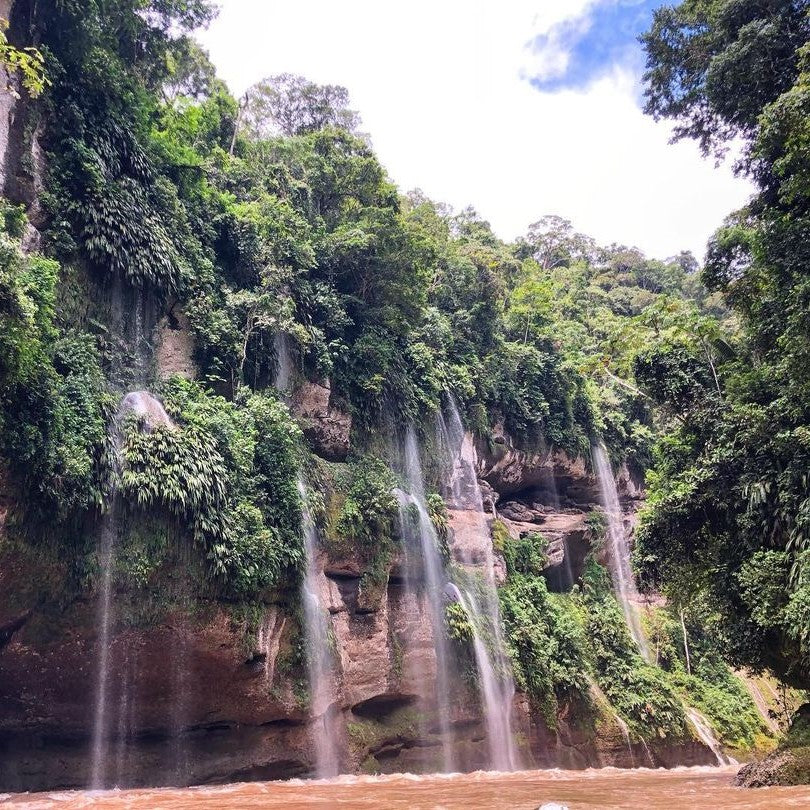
(55, 405)
(546, 646)
(526, 555)
(229, 471)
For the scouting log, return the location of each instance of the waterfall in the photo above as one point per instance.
(495, 699)
(152, 414)
(624, 585)
(320, 671)
(100, 742)
(283, 374)
(474, 552)
(625, 730)
(706, 736)
(625, 588)
(421, 544)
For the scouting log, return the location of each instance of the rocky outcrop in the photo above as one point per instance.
(508, 469)
(175, 346)
(789, 764)
(782, 767)
(326, 427)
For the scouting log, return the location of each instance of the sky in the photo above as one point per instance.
(517, 108)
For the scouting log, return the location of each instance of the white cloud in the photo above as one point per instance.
(439, 87)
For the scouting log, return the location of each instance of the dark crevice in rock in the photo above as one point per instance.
(264, 772)
(381, 705)
(284, 722)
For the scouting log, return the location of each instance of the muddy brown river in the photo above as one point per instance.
(640, 789)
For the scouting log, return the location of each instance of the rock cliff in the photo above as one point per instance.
(207, 692)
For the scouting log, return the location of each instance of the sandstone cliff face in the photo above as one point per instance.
(206, 693)
(326, 427)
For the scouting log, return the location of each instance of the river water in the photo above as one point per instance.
(603, 788)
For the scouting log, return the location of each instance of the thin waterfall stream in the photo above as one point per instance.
(317, 624)
(151, 413)
(422, 552)
(624, 587)
(707, 737)
(473, 551)
(100, 741)
(320, 670)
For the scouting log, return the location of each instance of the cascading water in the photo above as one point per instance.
(624, 585)
(320, 670)
(495, 698)
(283, 374)
(625, 588)
(151, 413)
(625, 730)
(474, 552)
(319, 659)
(422, 553)
(100, 742)
(706, 736)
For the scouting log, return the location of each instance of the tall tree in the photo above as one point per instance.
(729, 515)
(287, 104)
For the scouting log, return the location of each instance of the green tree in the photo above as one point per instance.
(729, 501)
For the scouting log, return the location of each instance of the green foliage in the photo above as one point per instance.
(366, 520)
(640, 692)
(726, 522)
(500, 535)
(559, 642)
(228, 471)
(526, 555)
(55, 406)
(369, 510)
(545, 643)
(712, 65)
(27, 63)
(457, 624)
(437, 511)
(291, 105)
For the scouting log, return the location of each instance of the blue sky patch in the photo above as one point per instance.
(604, 36)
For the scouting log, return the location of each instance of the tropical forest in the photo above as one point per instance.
(315, 489)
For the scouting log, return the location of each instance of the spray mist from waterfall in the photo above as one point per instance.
(474, 552)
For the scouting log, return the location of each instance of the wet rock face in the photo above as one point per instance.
(187, 706)
(509, 469)
(197, 698)
(789, 764)
(174, 353)
(326, 427)
(147, 408)
(783, 767)
(202, 697)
